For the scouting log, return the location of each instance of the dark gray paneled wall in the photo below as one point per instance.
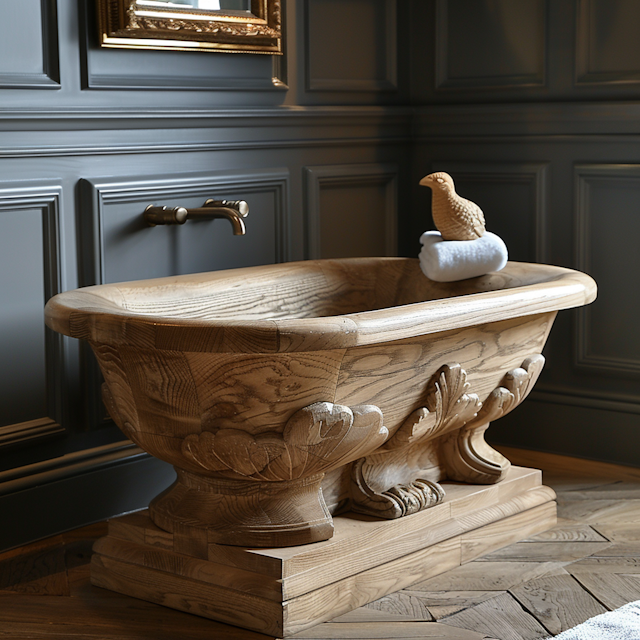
(530, 104)
(89, 137)
(537, 132)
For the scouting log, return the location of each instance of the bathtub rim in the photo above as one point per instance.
(86, 314)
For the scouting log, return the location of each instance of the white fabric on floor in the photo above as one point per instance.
(621, 624)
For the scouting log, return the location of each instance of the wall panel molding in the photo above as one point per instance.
(603, 35)
(535, 174)
(588, 178)
(49, 78)
(382, 43)
(47, 199)
(97, 194)
(131, 132)
(498, 16)
(345, 175)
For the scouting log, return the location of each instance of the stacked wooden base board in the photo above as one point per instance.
(280, 592)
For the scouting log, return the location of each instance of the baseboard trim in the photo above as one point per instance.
(50, 497)
(568, 465)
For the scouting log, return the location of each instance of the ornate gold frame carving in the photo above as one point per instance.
(131, 25)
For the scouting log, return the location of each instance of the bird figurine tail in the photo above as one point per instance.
(456, 218)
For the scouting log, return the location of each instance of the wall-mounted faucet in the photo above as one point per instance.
(233, 210)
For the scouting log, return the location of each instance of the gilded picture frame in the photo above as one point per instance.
(134, 24)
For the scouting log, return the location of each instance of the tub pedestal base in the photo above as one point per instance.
(259, 514)
(280, 592)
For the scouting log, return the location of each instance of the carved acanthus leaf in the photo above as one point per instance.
(316, 439)
(448, 407)
(468, 456)
(516, 386)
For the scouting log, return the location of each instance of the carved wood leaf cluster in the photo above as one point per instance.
(316, 439)
(392, 482)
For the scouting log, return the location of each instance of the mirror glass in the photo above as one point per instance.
(210, 5)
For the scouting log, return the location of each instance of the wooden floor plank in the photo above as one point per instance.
(617, 531)
(445, 603)
(611, 491)
(39, 571)
(558, 602)
(619, 550)
(602, 511)
(384, 631)
(501, 616)
(546, 551)
(612, 589)
(589, 562)
(605, 565)
(568, 531)
(486, 576)
(403, 603)
(365, 614)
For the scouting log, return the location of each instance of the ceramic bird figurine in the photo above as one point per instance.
(456, 218)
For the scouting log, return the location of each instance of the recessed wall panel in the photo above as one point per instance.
(490, 43)
(351, 210)
(30, 355)
(608, 227)
(351, 45)
(29, 45)
(607, 42)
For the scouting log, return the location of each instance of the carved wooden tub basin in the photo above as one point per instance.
(284, 394)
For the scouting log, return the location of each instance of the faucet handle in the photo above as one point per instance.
(238, 205)
(154, 215)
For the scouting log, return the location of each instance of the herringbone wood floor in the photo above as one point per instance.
(533, 589)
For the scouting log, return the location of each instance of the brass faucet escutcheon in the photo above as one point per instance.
(233, 210)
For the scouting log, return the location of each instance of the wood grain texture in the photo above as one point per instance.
(501, 615)
(558, 602)
(92, 613)
(441, 604)
(613, 590)
(366, 560)
(569, 531)
(289, 294)
(255, 383)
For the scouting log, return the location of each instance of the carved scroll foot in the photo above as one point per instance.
(394, 481)
(398, 500)
(264, 490)
(466, 455)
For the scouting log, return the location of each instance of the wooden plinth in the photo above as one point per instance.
(280, 592)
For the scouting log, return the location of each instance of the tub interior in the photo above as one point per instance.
(310, 289)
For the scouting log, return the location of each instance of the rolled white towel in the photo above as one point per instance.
(450, 260)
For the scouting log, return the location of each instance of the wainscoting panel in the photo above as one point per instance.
(607, 232)
(607, 50)
(351, 210)
(351, 45)
(31, 375)
(514, 198)
(123, 247)
(29, 46)
(490, 43)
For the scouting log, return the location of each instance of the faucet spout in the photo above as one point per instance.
(211, 212)
(233, 210)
